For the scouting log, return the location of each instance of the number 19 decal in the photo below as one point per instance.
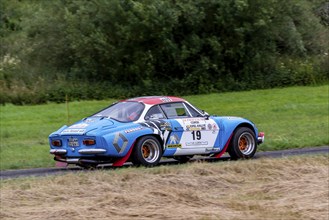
(196, 135)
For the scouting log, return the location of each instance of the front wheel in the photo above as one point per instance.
(147, 151)
(243, 144)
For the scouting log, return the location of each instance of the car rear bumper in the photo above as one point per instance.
(81, 151)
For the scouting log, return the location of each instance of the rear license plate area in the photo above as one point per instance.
(73, 142)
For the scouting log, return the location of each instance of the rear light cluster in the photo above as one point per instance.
(89, 142)
(56, 143)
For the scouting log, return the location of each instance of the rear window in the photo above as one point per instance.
(123, 111)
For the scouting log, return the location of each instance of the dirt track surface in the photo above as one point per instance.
(8, 174)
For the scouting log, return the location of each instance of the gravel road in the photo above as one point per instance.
(9, 174)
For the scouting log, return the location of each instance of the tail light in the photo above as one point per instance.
(88, 142)
(56, 143)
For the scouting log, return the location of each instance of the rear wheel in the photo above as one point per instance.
(147, 151)
(243, 144)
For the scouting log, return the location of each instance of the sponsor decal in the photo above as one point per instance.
(82, 125)
(196, 143)
(124, 144)
(133, 130)
(195, 127)
(173, 139)
(165, 126)
(193, 120)
(212, 149)
(174, 146)
(73, 131)
(165, 99)
(215, 128)
(194, 124)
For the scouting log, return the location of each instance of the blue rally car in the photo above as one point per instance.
(145, 129)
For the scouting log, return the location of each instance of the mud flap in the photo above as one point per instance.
(60, 163)
(121, 161)
(218, 155)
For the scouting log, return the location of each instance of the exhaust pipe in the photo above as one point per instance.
(75, 160)
(82, 161)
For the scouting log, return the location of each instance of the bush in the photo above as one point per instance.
(98, 49)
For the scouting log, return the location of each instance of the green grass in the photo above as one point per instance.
(290, 117)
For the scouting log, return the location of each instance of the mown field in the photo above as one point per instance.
(290, 117)
(291, 188)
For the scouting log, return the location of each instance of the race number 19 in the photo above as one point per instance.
(196, 135)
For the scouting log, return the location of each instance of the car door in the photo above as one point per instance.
(191, 133)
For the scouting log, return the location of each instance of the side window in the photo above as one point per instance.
(154, 113)
(174, 110)
(193, 112)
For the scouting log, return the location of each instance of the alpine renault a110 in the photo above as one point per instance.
(145, 129)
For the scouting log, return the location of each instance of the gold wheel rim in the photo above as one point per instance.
(243, 143)
(146, 151)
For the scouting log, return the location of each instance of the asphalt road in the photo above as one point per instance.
(9, 174)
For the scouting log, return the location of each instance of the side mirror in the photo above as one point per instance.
(206, 115)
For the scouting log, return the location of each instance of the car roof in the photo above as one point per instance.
(154, 100)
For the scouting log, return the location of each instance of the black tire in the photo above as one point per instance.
(243, 144)
(183, 159)
(147, 151)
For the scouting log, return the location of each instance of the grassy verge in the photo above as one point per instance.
(286, 188)
(290, 117)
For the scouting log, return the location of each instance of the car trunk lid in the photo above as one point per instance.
(88, 124)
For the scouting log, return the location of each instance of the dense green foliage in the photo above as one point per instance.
(290, 117)
(118, 48)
